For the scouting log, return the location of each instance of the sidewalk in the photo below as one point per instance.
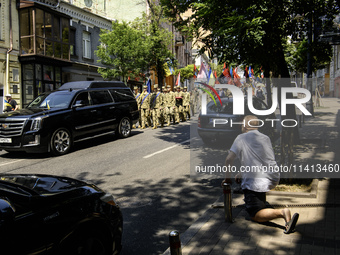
(318, 228)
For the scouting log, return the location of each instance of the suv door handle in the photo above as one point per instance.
(112, 107)
(93, 110)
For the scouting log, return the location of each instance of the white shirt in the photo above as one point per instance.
(259, 170)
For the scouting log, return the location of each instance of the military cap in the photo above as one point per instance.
(135, 87)
(155, 86)
(168, 86)
(145, 87)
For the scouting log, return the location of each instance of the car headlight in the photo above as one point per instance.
(36, 124)
(108, 198)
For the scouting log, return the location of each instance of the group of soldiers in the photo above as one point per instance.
(162, 106)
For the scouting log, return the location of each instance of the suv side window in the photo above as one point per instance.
(101, 97)
(82, 99)
(122, 95)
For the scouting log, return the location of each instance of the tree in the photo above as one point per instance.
(251, 32)
(159, 39)
(123, 50)
(186, 72)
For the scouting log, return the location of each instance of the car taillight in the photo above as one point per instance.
(108, 198)
(199, 121)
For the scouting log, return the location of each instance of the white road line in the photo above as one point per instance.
(12, 162)
(169, 148)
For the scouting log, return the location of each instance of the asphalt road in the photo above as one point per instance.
(148, 174)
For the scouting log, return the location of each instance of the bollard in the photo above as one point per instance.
(175, 243)
(227, 202)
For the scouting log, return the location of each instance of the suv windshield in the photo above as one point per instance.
(52, 100)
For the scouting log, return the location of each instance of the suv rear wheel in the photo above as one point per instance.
(124, 128)
(61, 142)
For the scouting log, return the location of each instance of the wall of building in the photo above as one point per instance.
(9, 63)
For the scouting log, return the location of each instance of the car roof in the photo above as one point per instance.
(92, 84)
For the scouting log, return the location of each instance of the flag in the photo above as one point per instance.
(249, 72)
(224, 71)
(202, 74)
(167, 69)
(209, 74)
(149, 85)
(231, 71)
(195, 71)
(178, 82)
(261, 71)
(246, 74)
(216, 78)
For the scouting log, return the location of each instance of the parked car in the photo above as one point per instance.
(77, 111)
(216, 124)
(43, 214)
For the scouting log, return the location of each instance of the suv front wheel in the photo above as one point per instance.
(61, 142)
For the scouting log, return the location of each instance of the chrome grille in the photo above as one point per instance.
(11, 127)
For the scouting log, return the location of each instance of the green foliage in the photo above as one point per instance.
(123, 50)
(186, 72)
(320, 57)
(158, 39)
(253, 32)
(133, 48)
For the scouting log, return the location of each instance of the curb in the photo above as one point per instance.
(186, 237)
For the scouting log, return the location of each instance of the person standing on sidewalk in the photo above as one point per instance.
(255, 151)
(11, 104)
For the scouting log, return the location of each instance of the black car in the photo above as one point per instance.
(216, 124)
(43, 214)
(77, 111)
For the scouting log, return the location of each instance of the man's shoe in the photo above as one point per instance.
(143, 127)
(133, 126)
(154, 127)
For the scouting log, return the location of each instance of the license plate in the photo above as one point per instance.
(5, 140)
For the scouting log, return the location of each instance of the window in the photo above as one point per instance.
(73, 42)
(15, 73)
(82, 99)
(101, 97)
(86, 45)
(50, 36)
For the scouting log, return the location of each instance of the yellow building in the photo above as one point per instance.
(9, 51)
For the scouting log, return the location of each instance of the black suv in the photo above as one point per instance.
(77, 111)
(44, 214)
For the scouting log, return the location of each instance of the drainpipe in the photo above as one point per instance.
(6, 87)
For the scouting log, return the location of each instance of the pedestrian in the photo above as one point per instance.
(255, 151)
(155, 105)
(260, 93)
(169, 104)
(186, 103)
(11, 104)
(138, 100)
(145, 107)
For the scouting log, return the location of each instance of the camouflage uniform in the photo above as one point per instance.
(145, 106)
(170, 104)
(137, 97)
(186, 103)
(155, 105)
(179, 105)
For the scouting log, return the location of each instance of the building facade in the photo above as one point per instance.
(10, 68)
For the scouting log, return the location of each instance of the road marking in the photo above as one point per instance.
(166, 149)
(12, 162)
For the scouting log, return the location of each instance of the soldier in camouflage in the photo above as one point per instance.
(145, 106)
(186, 103)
